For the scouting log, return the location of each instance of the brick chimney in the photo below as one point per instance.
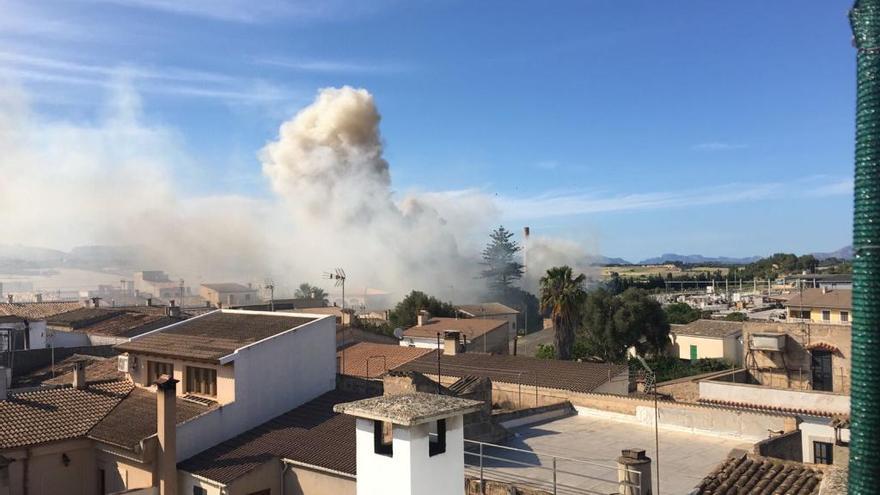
(79, 375)
(423, 317)
(166, 426)
(450, 342)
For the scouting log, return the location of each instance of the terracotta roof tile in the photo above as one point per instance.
(57, 414)
(311, 434)
(821, 298)
(369, 360)
(550, 373)
(708, 328)
(755, 474)
(134, 419)
(759, 407)
(38, 310)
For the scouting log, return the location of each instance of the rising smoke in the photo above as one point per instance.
(115, 182)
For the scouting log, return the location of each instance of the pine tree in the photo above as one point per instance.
(500, 260)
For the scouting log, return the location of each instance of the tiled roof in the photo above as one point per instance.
(550, 373)
(749, 474)
(129, 325)
(97, 369)
(822, 346)
(821, 298)
(228, 287)
(708, 328)
(470, 328)
(775, 409)
(37, 310)
(57, 414)
(487, 309)
(311, 434)
(134, 419)
(82, 317)
(211, 336)
(369, 360)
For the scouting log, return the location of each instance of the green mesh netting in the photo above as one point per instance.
(864, 465)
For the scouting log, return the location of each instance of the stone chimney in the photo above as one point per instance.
(423, 317)
(166, 426)
(634, 472)
(450, 342)
(79, 375)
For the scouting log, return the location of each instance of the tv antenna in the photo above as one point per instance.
(338, 275)
(270, 286)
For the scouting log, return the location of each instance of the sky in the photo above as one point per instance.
(632, 128)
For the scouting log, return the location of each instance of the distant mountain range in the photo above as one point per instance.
(845, 253)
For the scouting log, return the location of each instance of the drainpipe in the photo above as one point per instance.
(864, 463)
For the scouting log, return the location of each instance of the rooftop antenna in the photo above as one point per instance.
(270, 286)
(651, 387)
(338, 276)
(181, 293)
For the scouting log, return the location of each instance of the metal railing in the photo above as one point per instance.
(548, 472)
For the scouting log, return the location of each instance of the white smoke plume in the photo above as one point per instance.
(115, 182)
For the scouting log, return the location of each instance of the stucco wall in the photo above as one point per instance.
(299, 480)
(773, 397)
(271, 377)
(41, 471)
(123, 473)
(265, 477)
(707, 347)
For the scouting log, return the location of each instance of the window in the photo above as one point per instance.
(693, 353)
(820, 369)
(844, 316)
(823, 453)
(201, 381)
(155, 369)
(383, 438)
(197, 490)
(437, 438)
(826, 315)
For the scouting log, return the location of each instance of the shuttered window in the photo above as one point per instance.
(202, 381)
(158, 368)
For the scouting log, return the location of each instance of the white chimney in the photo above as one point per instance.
(79, 375)
(410, 444)
(423, 317)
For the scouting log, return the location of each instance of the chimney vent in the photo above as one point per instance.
(79, 375)
(423, 317)
(450, 342)
(10, 298)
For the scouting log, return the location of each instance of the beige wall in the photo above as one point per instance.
(267, 476)
(41, 471)
(793, 371)
(225, 375)
(299, 480)
(816, 315)
(708, 347)
(495, 342)
(121, 473)
(237, 298)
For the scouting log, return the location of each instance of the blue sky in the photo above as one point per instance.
(637, 128)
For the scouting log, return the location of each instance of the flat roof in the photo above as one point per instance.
(213, 335)
(470, 328)
(409, 409)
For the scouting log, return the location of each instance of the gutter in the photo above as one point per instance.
(290, 462)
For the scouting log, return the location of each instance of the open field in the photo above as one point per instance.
(662, 270)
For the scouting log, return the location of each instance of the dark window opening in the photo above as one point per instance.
(383, 438)
(197, 490)
(823, 378)
(437, 438)
(201, 381)
(823, 453)
(155, 369)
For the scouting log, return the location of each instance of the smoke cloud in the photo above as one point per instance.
(114, 181)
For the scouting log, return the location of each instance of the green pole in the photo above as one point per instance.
(864, 462)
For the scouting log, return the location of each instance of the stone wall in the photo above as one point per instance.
(791, 369)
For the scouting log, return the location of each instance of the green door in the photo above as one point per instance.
(693, 353)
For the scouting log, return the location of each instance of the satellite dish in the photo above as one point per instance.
(398, 332)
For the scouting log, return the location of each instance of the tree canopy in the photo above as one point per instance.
(681, 313)
(613, 323)
(405, 313)
(307, 291)
(500, 261)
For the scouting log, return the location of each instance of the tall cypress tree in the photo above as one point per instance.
(500, 261)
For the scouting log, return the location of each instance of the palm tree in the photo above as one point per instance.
(562, 296)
